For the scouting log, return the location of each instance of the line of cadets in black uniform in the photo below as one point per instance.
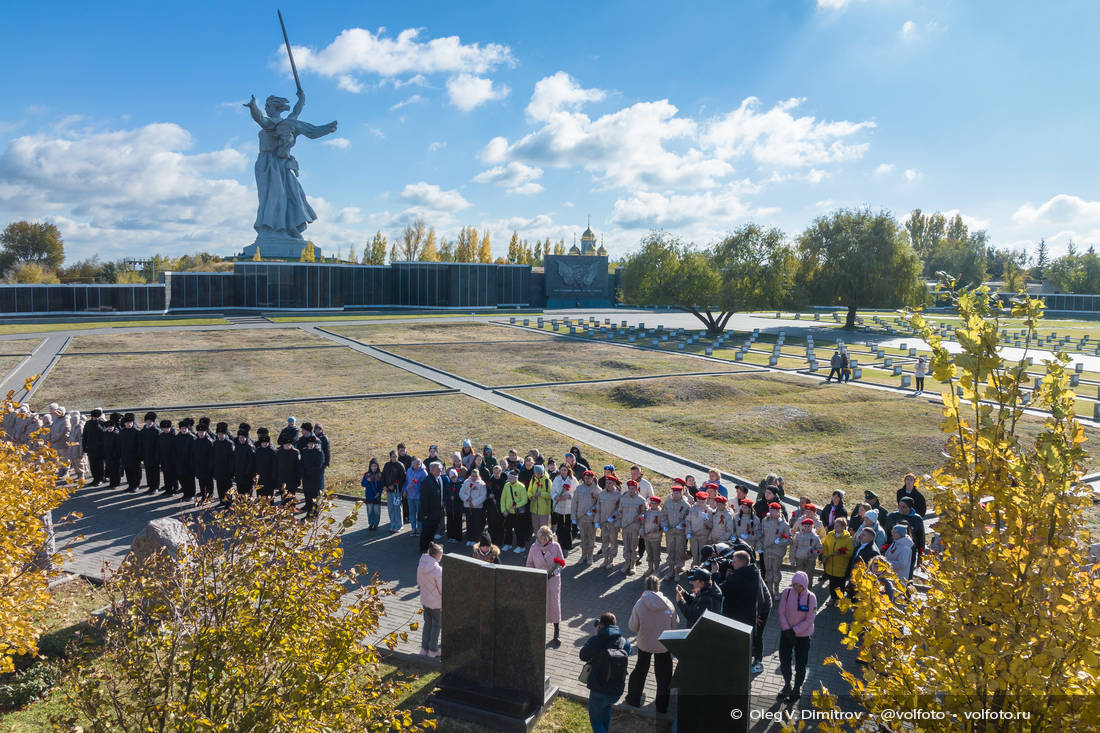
(193, 461)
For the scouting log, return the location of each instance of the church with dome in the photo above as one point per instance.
(588, 243)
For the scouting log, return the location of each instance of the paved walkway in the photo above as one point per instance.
(40, 361)
(111, 518)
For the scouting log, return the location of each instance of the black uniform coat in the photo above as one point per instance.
(244, 461)
(92, 438)
(166, 450)
(288, 468)
(267, 466)
(129, 440)
(147, 438)
(223, 458)
(184, 454)
(202, 456)
(431, 500)
(312, 468)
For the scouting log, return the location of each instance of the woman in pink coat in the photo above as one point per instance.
(545, 554)
(797, 608)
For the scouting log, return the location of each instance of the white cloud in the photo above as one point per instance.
(648, 210)
(973, 223)
(338, 142)
(436, 146)
(116, 191)
(833, 4)
(883, 169)
(1062, 210)
(359, 51)
(431, 197)
(912, 175)
(650, 145)
(778, 138)
(908, 30)
(406, 102)
(516, 177)
(911, 31)
(349, 83)
(467, 91)
(559, 92)
(378, 133)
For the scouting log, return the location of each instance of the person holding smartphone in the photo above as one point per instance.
(797, 608)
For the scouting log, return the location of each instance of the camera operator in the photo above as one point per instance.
(704, 596)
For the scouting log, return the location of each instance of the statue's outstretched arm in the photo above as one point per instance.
(298, 105)
(255, 111)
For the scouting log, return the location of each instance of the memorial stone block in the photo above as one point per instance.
(706, 701)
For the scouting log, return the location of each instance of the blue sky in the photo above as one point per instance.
(127, 128)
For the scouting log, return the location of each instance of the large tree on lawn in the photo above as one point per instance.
(751, 268)
(859, 259)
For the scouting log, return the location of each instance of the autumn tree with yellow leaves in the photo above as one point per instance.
(1010, 622)
(28, 491)
(250, 628)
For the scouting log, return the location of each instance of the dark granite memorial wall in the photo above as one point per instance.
(30, 299)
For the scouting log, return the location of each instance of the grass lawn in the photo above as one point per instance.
(425, 333)
(7, 363)
(502, 364)
(77, 325)
(84, 382)
(361, 429)
(128, 343)
(818, 437)
(396, 315)
(20, 347)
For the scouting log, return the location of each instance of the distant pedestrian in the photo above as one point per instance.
(920, 370)
(836, 365)
(429, 579)
(393, 480)
(652, 615)
(429, 504)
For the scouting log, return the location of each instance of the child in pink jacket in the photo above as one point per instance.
(797, 608)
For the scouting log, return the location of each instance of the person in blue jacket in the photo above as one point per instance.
(372, 493)
(607, 679)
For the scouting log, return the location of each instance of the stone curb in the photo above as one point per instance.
(207, 351)
(291, 400)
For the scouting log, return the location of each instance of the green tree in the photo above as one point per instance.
(960, 254)
(1075, 272)
(446, 251)
(393, 252)
(514, 251)
(466, 245)
(37, 242)
(1010, 619)
(374, 253)
(32, 273)
(752, 267)
(249, 628)
(859, 259)
(925, 232)
(1042, 259)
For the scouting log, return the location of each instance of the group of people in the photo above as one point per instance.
(192, 458)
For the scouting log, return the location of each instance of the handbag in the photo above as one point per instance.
(586, 670)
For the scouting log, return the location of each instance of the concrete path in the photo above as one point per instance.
(40, 361)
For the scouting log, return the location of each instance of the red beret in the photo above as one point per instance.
(654, 500)
(701, 495)
(811, 507)
(631, 482)
(611, 477)
(774, 505)
(679, 481)
(747, 501)
(677, 487)
(807, 520)
(720, 499)
(587, 473)
(710, 485)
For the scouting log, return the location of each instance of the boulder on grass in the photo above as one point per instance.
(167, 533)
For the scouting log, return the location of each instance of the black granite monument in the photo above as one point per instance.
(577, 280)
(711, 695)
(494, 645)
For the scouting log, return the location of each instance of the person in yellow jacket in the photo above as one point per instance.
(513, 505)
(836, 555)
(539, 499)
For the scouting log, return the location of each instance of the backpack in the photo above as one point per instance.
(609, 667)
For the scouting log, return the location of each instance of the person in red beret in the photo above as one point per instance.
(721, 521)
(698, 527)
(652, 533)
(712, 493)
(746, 525)
(674, 515)
(806, 548)
(775, 537)
(607, 518)
(632, 508)
(585, 509)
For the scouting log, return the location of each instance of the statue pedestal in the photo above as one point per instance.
(279, 245)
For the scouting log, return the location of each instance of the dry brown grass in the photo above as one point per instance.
(818, 437)
(425, 333)
(502, 364)
(127, 343)
(7, 363)
(11, 347)
(83, 382)
(362, 429)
